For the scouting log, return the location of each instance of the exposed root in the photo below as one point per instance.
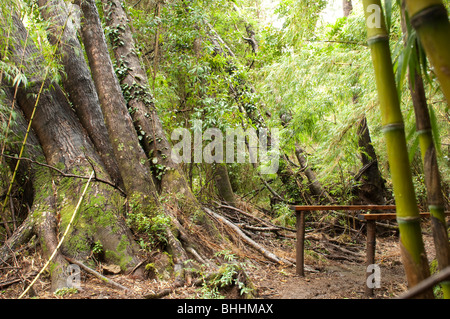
(226, 279)
(96, 274)
(20, 237)
(269, 255)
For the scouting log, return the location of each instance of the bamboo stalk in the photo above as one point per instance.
(430, 19)
(412, 247)
(436, 203)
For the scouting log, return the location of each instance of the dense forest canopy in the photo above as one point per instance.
(92, 91)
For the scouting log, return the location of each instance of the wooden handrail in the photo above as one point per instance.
(301, 211)
(390, 216)
(341, 207)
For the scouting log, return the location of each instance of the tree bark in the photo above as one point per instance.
(223, 184)
(169, 175)
(124, 139)
(42, 220)
(347, 7)
(77, 80)
(66, 146)
(373, 188)
(24, 179)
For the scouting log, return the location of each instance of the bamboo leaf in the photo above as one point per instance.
(388, 14)
(403, 63)
(413, 149)
(435, 130)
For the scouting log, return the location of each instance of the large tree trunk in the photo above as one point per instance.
(24, 179)
(124, 139)
(134, 82)
(77, 80)
(180, 205)
(66, 145)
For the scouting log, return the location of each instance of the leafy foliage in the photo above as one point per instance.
(317, 74)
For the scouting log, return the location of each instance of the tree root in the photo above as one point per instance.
(96, 274)
(269, 255)
(20, 237)
(229, 276)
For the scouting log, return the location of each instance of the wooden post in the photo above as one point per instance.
(370, 252)
(300, 245)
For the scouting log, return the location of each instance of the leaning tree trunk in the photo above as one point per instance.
(412, 247)
(131, 158)
(66, 146)
(77, 80)
(134, 82)
(314, 184)
(124, 139)
(373, 188)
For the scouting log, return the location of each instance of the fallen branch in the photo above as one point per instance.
(167, 291)
(7, 283)
(269, 255)
(96, 274)
(261, 229)
(262, 221)
(164, 292)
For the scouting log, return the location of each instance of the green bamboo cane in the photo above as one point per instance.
(430, 19)
(435, 197)
(412, 247)
(436, 203)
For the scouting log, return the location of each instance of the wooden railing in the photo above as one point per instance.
(371, 220)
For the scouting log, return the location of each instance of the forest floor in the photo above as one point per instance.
(325, 278)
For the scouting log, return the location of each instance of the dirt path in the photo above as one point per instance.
(338, 280)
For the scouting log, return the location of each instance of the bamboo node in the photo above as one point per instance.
(378, 38)
(424, 131)
(432, 14)
(393, 127)
(408, 219)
